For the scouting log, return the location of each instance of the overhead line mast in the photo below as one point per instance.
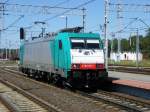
(106, 32)
(84, 15)
(1, 23)
(119, 17)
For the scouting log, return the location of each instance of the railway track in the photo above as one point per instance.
(145, 71)
(114, 100)
(127, 103)
(18, 100)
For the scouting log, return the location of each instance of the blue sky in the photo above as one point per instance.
(94, 18)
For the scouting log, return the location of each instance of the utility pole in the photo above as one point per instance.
(9, 49)
(66, 22)
(1, 25)
(112, 42)
(0, 43)
(83, 16)
(1, 16)
(137, 49)
(106, 33)
(6, 50)
(119, 9)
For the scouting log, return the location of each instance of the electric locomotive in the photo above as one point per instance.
(67, 57)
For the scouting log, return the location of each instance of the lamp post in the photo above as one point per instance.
(66, 20)
(137, 49)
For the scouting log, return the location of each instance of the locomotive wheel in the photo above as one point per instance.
(57, 80)
(70, 83)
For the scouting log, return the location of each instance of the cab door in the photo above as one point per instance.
(59, 55)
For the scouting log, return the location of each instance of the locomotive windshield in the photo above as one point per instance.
(92, 44)
(77, 44)
(85, 44)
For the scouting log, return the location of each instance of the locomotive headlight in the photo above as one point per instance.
(75, 66)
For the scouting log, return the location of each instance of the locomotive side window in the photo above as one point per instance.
(60, 44)
(77, 44)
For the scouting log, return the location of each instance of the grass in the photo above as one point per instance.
(143, 63)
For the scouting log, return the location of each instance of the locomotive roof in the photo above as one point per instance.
(65, 35)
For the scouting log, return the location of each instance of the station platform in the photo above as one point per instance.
(129, 76)
(133, 83)
(130, 79)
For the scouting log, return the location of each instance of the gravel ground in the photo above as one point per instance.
(3, 108)
(129, 76)
(63, 99)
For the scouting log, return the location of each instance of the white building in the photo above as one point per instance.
(126, 56)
